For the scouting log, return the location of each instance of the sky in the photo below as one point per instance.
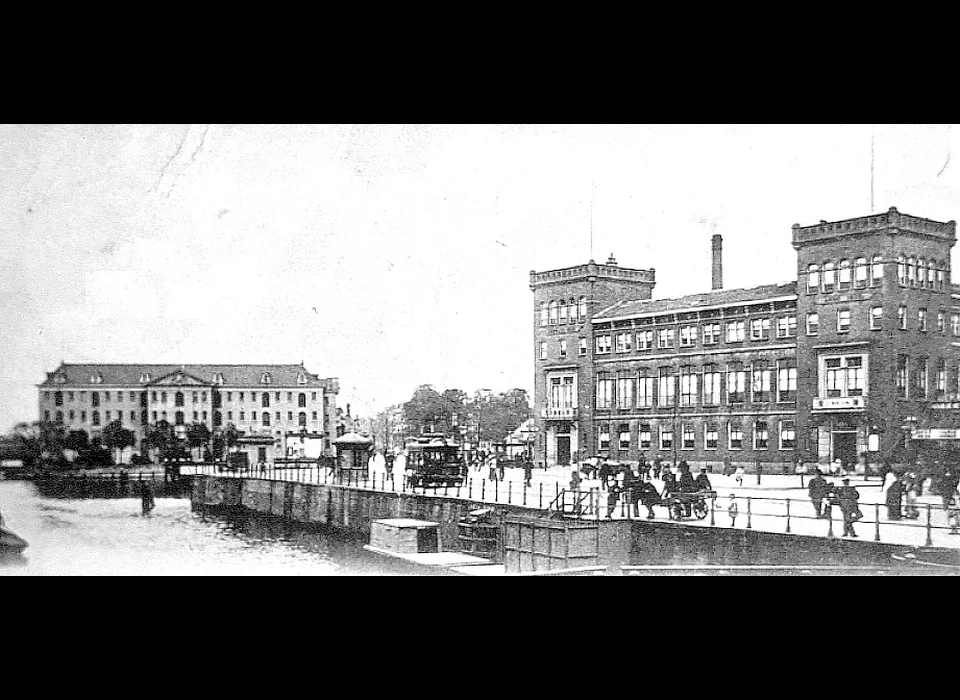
(397, 255)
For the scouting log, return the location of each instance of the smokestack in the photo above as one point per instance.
(717, 261)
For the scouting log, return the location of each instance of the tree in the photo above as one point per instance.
(33, 443)
(116, 437)
(198, 435)
(162, 437)
(77, 440)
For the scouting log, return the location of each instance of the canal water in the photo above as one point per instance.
(99, 536)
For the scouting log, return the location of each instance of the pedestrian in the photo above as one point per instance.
(733, 510)
(953, 516)
(817, 489)
(739, 474)
(728, 469)
(669, 481)
(911, 512)
(687, 484)
(492, 465)
(631, 489)
(501, 468)
(703, 481)
(948, 486)
(650, 497)
(527, 472)
(124, 480)
(657, 467)
(613, 495)
(894, 499)
(606, 471)
(147, 503)
(848, 498)
(575, 480)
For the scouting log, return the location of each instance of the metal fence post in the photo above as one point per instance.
(929, 525)
(830, 534)
(524, 492)
(470, 487)
(713, 510)
(876, 508)
(483, 490)
(749, 514)
(788, 515)
(496, 490)
(509, 492)
(541, 495)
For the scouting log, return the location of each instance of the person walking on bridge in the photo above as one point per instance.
(817, 489)
(849, 498)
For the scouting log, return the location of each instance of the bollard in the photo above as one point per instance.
(929, 525)
(788, 516)
(483, 490)
(830, 534)
(713, 509)
(496, 490)
(524, 493)
(749, 515)
(541, 495)
(445, 484)
(470, 488)
(876, 508)
(459, 483)
(509, 492)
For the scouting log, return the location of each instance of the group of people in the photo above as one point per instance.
(826, 494)
(902, 492)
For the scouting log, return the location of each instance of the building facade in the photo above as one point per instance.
(859, 355)
(266, 403)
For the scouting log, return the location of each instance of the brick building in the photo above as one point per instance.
(266, 403)
(857, 355)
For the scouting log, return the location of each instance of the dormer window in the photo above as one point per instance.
(96, 379)
(60, 378)
(145, 378)
(301, 378)
(218, 378)
(265, 378)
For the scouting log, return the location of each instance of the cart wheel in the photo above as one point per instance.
(700, 510)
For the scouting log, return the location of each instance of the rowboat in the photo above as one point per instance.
(10, 542)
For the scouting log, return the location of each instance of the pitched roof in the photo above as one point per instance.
(719, 297)
(92, 375)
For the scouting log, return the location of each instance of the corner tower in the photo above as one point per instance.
(564, 302)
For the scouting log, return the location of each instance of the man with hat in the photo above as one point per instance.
(848, 497)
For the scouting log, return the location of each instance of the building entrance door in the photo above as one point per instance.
(845, 448)
(563, 450)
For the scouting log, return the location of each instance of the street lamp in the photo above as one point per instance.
(480, 396)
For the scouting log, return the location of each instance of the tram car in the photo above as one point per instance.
(434, 460)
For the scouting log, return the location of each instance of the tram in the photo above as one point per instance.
(434, 460)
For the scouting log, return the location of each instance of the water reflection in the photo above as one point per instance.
(111, 537)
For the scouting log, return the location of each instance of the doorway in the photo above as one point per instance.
(261, 454)
(845, 448)
(563, 450)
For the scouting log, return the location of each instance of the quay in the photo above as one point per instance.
(538, 538)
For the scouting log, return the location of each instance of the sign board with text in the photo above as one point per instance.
(936, 434)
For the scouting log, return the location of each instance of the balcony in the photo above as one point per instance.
(559, 413)
(846, 403)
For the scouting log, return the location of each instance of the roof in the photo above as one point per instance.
(715, 298)
(353, 439)
(92, 375)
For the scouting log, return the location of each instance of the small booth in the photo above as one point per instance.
(353, 456)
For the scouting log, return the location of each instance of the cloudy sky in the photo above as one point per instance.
(391, 256)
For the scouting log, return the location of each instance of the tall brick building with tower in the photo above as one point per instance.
(861, 354)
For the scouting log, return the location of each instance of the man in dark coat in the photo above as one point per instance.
(669, 480)
(849, 498)
(894, 500)
(606, 471)
(687, 485)
(817, 488)
(650, 497)
(703, 482)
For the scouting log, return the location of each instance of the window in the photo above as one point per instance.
(736, 331)
(813, 278)
(313, 416)
(563, 349)
(154, 417)
(553, 313)
(624, 435)
(941, 377)
(253, 396)
(604, 392)
(710, 437)
(289, 415)
(666, 438)
(844, 376)
(46, 416)
(196, 416)
(265, 419)
(106, 396)
(301, 401)
(302, 419)
(955, 324)
(624, 342)
(735, 436)
(688, 336)
(860, 272)
(843, 321)
(95, 399)
(178, 399)
(786, 381)
(922, 320)
(787, 327)
(688, 386)
(761, 435)
(179, 417)
(688, 437)
(96, 418)
(941, 323)
(902, 318)
(645, 392)
(788, 434)
(542, 350)
(70, 396)
(625, 387)
(563, 311)
(229, 415)
(736, 385)
(133, 417)
(58, 395)
(829, 277)
(876, 318)
(843, 275)
(645, 340)
(603, 344)
(163, 397)
(665, 338)
(922, 379)
(582, 348)
(603, 437)
(217, 419)
(760, 329)
(119, 396)
(711, 386)
(313, 396)
(877, 270)
(243, 415)
(583, 308)
(711, 334)
(903, 370)
(901, 270)
(761, 384)
(543, 313)
(265, 399)
(644, 436)
(940, 276)
(667, 389)
(912, 271)
(921, 273)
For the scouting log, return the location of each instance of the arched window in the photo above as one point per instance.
(266, 419)
(843, 277)
(265, 399)
(941, 275)
(912, 271)
(302, 401)
(860, 272)
(901, 269)
(813, 278)
(553, 313)
(877, 272)
(302, 420)
(178, 399)
(563, 311)
(583, 308)
(829, 277)
(178, 418)
(931, 274)
(921, 272)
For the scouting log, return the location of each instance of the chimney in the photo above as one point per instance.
(717, 261)
(612, 261)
